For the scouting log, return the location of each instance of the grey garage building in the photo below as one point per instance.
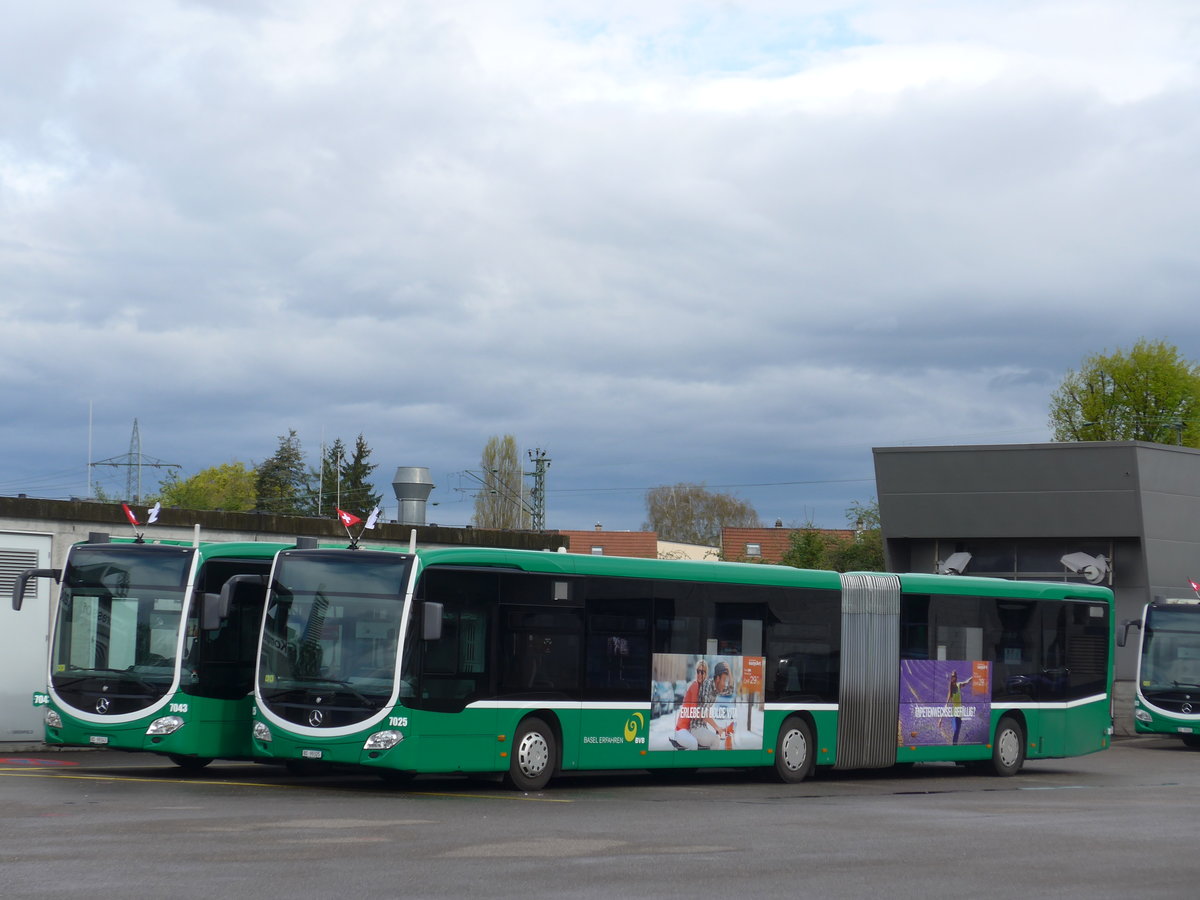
(1122, 513)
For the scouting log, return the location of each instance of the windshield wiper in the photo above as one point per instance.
(345, 686)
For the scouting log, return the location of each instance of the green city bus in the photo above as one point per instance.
(1168, 680)
(153, 646)
(527, 664)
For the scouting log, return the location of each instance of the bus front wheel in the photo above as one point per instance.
(533, 757)
(793, 751)
(1008, 747)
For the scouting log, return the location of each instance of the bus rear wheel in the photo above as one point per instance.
(534, 756)
(1008, 747)
(793, 751)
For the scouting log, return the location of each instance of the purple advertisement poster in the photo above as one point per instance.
(944, 702)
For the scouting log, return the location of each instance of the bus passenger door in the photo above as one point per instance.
(1087, 663)
(1051, 736)
(455, 672)
(1074, 681)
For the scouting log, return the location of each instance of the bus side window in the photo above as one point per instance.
(541, 650)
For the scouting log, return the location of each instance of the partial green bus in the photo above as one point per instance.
(1168, 682)
(153, 646)
(529, 664)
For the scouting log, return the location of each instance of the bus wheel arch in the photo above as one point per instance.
(794, 749)
(1008, 745)
(535, 755)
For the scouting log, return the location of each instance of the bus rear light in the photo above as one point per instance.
(383, 740)
(262, 732)
(165, 725)
(53, 719)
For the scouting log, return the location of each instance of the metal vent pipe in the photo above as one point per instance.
(412, 485)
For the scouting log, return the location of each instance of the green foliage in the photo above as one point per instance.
(863, 553)
(692, 514)
(500, 502)
(357, 493)
(813, 549)
(229, 486)
(282, 480)
(1148, 393)
(809, 548)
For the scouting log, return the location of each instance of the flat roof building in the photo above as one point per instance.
(1125, 514)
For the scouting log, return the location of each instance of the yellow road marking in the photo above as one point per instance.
(57, 772)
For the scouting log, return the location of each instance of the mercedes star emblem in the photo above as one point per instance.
(315, 718)
(102, 705)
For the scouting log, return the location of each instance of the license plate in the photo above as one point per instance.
(312, 754)
(98, 739)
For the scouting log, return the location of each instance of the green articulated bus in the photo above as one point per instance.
(1168, 682)
(154, 645)
(528, 664)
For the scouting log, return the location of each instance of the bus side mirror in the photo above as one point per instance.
(213, 612)
(431, 621)
(1123, 634)
(23, 578)
(216, 606)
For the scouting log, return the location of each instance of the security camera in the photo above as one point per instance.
(1094, 569)
(955, 564)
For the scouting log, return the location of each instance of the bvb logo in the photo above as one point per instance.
(633, 726)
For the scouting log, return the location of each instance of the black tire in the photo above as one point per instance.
(793, 751)
(534, 756)
(189, 763)
(1008, 747)
(1191, 740)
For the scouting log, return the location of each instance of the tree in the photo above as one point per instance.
(228, 486)
(808, 548)
(282, 480)
(500, 503)
(813, 549)
(358, 494)
(692, 514)
(1148, 393)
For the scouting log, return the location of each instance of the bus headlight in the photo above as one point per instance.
(383, 740)
(165, 725)
(262, 732)
(53, 719)
(1142, 716)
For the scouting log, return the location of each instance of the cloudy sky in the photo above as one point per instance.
(736, 243)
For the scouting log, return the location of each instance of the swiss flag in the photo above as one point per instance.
(348, 519)
(1195, 586)
(129, 514)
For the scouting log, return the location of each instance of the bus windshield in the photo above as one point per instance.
(330, 635)
(1171, 650)
(119, 616)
